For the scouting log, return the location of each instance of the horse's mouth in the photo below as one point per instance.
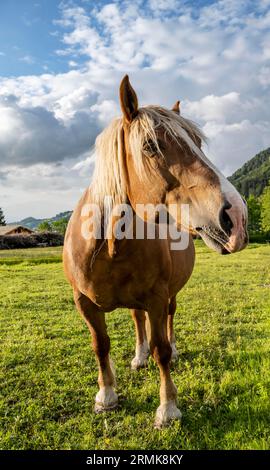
(214, 239)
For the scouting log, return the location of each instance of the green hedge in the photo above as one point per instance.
(259, 237)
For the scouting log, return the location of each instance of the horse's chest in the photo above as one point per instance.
(124, 283)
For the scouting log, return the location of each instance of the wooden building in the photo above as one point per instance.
(14, 230)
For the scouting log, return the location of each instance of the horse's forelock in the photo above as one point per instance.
(109, 177)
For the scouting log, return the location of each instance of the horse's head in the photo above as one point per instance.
(165, 164)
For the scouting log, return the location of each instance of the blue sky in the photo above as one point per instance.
(60, 67)
(29, 38)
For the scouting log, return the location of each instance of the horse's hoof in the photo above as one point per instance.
(100, 408)
(166, 414)
(138, 363)
(106, 400)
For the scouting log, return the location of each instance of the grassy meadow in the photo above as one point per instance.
(49, 375)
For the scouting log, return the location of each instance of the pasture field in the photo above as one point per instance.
(49, 375)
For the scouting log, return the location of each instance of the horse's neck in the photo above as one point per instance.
(107, 219)
(111, 229)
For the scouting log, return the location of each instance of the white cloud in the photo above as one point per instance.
(41, 136)
(106, 111)
(72, 63)
(215, 108)
(84, 166)
(264, 76)
(45, 189)
(27, 59)
(163, 5)
(233, 144)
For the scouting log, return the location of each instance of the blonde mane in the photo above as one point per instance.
(109, 178)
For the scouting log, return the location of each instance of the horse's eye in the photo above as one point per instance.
(150, 148)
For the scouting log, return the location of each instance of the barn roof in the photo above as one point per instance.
(6, 229)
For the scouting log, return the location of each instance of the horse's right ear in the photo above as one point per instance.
(176, 107)
(128, 99)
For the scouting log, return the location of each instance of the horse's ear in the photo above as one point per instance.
(176, 107)
(128, 99)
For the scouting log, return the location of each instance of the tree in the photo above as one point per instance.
(2, 217)
(60, 225)
(254, 214)
(265, 203)
(45, 226)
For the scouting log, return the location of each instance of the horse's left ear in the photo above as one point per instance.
(176, 107)
(128, 99)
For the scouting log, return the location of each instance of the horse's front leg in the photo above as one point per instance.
(161, 351)
(106, 398)
(170, 329)
(142, 348)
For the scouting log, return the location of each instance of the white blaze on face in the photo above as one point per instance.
(238, 211)
(238, 215)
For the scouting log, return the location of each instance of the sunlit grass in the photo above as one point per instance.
(31, 255)
(49, 375)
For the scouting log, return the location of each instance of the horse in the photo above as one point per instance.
(149, 155)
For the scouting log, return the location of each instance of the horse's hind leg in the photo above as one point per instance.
(106, 398)
(142, 349)
(170, 329)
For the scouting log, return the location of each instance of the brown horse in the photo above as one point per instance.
(149, 155)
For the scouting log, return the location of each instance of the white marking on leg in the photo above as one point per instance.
(141, 355)
(106, 399)
(166, 413)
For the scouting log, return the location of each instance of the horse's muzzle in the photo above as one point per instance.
(238, 235)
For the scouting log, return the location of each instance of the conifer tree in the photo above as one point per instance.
(2, 217)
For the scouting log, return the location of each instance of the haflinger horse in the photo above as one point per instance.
(150, 155)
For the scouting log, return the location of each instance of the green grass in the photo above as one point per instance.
(31, 255)
(49, 375)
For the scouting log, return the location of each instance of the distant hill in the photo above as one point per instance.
(33, 223)
(254, 175)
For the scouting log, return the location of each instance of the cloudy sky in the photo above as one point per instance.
(60, 67)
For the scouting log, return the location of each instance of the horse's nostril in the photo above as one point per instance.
(225, 220)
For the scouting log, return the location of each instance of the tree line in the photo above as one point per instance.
(259, 216)
(58, 226)
(253, 176)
